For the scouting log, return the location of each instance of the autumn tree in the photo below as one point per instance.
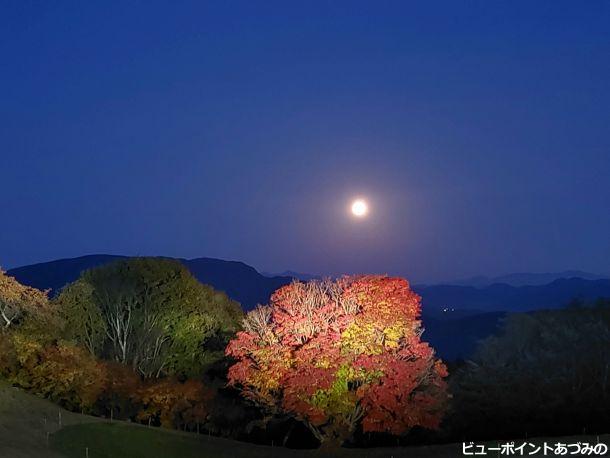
(120, 396)
(17, 301)
(60, 371)
(34, 357)
(174, 404)
(149, 313)
(341, 355)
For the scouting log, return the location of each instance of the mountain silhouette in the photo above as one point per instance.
(526, 278)
(240, 281)
(444, 299)
(54, 275)
(292, 274)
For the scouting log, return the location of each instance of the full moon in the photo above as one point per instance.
(359, 208)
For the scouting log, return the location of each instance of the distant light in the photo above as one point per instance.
(359, 208)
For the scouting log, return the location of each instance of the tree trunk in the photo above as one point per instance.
(331, 443)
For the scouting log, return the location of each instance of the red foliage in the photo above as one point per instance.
(341, 354)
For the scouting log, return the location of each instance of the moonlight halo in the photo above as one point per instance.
(359, 208)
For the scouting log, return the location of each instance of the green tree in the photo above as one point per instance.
(77, 308)
(150, 313)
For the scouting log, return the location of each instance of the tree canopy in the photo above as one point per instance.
(18, 301)
(341, 355)
(150, 313)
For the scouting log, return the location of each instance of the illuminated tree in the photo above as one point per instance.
(151, 314)
(62, 372)
(341, 355)
(85, 323)
(18, 301)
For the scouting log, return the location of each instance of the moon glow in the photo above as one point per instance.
(359, 208)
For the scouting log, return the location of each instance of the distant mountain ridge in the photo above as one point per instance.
(526, 278)
(502, 297)
(54, 275)
(239, 280)
(297, 275)
(249, 287)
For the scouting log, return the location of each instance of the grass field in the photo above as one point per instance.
(121, 440)
(30, 428)
(27, 423)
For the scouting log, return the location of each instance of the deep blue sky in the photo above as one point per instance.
(479, 131)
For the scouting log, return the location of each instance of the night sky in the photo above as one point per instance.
(479, 132)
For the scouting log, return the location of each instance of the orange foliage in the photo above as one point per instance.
(62, 372)
(71, 376)
(341, 354)
(174, 404)
(17, 301)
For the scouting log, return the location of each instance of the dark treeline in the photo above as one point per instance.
(547, 372)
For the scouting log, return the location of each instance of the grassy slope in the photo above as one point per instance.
(23, 434)
(25, 421)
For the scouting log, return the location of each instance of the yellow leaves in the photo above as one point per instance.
(59, 371)
(26, 349)
(271, 366)
(266, 381)
(323, 363)
(17, 301)
(361, 339)
(368, 339)
(393, 334)
(349, 374)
